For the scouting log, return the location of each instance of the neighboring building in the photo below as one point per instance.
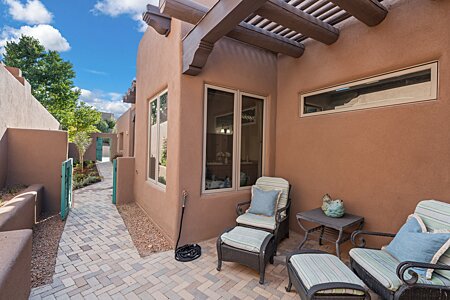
(107, 116)
(125, 125)
(362, 115)
(32, 147)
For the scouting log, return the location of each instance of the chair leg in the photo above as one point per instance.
(271, 259)
(289, 286)
(219, 265)
(261, 275)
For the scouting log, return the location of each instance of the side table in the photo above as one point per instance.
(330, 229)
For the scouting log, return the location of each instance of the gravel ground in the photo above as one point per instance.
(46, 235)
(145, 235)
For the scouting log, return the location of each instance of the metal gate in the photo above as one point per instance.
(99, 149)
(114, 181)
(66, 187)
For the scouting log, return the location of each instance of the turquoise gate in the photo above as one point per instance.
(99, 149)
(66, 187)
(114, 195)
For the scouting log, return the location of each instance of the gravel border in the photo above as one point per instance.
(145, 235)
(46, 235)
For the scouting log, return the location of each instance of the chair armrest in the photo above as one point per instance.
(406, 265)
(361, 242)
(278, 217)
(239, 207)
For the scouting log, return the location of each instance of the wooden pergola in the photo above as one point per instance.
(279, 26)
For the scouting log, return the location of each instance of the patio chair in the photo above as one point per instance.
(278, 225)
(392, 279)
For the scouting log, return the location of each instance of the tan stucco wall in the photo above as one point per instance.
(35, 156)
(158, 69)
(380, 161)
(125, 131)
(18, 109)
(125, 180)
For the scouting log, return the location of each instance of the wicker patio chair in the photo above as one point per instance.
(392, 279)
(278, 225)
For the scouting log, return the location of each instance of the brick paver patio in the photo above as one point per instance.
(97, 260)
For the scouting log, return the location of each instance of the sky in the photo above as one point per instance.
(100, 38)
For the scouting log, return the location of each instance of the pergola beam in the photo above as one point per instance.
(370, 12)
(192, 12)
(157, 20)
(295, 19)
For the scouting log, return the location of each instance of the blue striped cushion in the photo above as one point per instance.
(314, 269)
(381, 265)
(245, 238)
(257, 221)
(436, 216)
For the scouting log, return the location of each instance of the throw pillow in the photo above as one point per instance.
(428, 247)
(264, 202)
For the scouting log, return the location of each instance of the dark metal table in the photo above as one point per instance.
(333, 230)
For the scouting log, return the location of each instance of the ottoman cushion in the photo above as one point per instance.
(245, 238)
(314, 269)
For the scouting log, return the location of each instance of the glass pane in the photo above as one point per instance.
(398, 88)
(251, 140)
(153, 142)
(162, 139)
(219, 139)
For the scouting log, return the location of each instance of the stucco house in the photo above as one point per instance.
(349, 98)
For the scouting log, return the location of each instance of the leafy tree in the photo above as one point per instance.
(106, 126)
(82, 140)
(50, 77)
(83, 119)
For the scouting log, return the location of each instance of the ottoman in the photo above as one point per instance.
(248, 246)
(319, 275)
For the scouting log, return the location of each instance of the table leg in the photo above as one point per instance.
(304, 240)
(338, 243)
(322, 229)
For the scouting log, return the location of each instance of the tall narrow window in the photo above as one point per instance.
(157, 160)
(252, 112)
(219, 139)
(233, 139)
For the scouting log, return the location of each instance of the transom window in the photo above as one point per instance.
(410, 85)
(233, 139)
(157, 132)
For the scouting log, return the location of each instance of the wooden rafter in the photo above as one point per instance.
(293, 18)
(222, 18)
(370, 12)
(192, 12)
(157, 20)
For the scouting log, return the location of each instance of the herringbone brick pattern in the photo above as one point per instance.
(97, 260)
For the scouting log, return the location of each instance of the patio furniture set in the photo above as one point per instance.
(393, 272)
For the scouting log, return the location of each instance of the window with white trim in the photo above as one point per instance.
(233, 139)
(157, 133)
(418, 83)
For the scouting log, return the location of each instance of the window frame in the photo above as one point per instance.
(433, 66)
(156, 98)
(236, 166)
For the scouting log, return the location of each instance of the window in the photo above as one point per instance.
(410, 85)
(157, 161)
(234, 139)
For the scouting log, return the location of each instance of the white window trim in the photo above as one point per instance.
(434, 83)
(158, 148)
(236, 138)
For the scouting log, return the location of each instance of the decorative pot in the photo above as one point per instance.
(333, 208)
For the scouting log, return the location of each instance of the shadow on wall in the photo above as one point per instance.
(34, 157)
(3, 160)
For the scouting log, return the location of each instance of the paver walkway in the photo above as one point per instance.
(97, 260)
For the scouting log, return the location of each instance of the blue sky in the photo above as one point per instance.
(100, 38)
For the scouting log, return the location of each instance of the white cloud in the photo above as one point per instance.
(32, 12)
(49, 36)
(133, 8)
(105, 102)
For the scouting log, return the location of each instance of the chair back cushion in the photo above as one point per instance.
(436, 216)
(264, 202)
(275, 183)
